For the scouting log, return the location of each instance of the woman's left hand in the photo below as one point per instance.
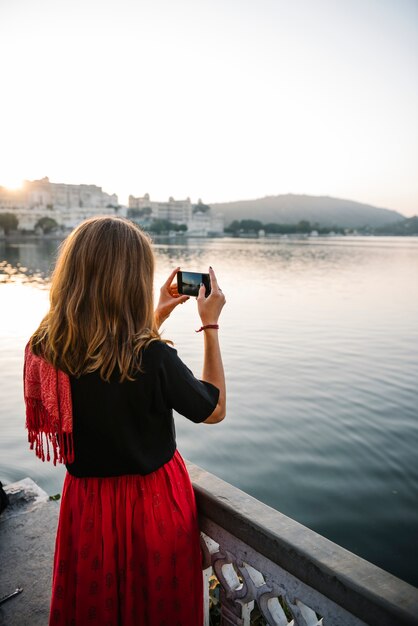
(169, 299)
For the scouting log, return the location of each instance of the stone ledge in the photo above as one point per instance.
(27, 541)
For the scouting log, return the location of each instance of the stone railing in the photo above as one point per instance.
(289, 573)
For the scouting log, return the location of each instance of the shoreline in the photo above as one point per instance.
(22, 238)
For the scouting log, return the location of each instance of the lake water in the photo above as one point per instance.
(320, 345)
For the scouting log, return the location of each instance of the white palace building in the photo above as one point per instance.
(68, 205)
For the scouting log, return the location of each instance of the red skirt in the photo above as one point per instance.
(128, 552)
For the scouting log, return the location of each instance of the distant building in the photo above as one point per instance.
(12, 199)
(68, 205)
(175, 211)
(62, 196)
(199, 223)
(143, 202)
(204, 224)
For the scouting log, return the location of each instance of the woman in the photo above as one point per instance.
(100, 387)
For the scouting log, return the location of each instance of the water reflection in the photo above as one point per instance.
(34, 260)
(27, 262)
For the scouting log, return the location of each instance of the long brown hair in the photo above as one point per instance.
(101, 301)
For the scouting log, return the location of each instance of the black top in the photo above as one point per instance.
(128, 428)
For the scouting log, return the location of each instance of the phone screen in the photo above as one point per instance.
(188, 283)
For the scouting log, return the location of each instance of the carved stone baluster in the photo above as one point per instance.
(266, 596)
(235, 607)
(234, 612)
(271, 609)
(236, 601)
(304, 615)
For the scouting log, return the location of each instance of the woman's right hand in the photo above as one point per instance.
(210, 308)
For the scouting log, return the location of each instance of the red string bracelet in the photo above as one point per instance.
(214, 326)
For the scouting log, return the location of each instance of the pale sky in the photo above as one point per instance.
(218, 99)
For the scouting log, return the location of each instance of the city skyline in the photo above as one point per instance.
(223, 101)
(15, 189)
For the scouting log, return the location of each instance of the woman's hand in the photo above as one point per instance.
(210, 308)
(169, 299)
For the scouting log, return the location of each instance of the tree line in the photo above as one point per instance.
(405, 227)
(409, 226)
(254, 226)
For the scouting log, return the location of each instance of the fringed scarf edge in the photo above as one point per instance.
(49, 432)
(45, 437)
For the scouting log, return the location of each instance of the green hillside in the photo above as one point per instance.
(323, 210)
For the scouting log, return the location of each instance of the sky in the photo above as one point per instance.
(215, 99)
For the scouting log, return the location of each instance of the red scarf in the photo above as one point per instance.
(49, 413)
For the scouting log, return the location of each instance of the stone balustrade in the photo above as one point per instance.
(295, 576)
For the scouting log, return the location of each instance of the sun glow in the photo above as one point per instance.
(12, 183)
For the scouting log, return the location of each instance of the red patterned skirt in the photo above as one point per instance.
(127, 551)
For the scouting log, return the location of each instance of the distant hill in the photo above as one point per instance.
(291, 209)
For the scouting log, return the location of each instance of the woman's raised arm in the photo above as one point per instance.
(213, 372)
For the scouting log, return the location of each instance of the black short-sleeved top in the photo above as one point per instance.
(128, 428)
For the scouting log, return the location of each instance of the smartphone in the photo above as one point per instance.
(188, 283)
